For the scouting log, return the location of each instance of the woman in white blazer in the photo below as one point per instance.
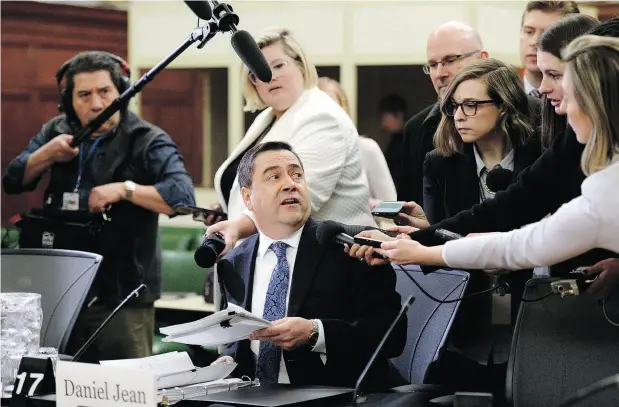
(591, 100)
(319, 131)
(373, 160)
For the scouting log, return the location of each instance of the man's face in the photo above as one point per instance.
(392, 122)
(534, 23)
(92, 93)
(278, 196)
(449, 50)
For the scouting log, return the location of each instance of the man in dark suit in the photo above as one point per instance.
(330, 311)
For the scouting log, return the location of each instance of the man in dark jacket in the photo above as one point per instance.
(129, 169)
(450, 48)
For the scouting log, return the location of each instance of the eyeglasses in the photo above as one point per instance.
(448, 60)
(469, 108)
(277, 67)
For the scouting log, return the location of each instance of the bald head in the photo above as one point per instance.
(453, 42)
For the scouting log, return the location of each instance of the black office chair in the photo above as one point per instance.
(62, 277)
(561, 345)
(429, 322)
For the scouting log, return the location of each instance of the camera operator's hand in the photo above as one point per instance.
(212, 219)
(412, 215)
(59, 150)
(104, 195)
(607, 281)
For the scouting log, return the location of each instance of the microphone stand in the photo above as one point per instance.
(203, 34)
(135, 293)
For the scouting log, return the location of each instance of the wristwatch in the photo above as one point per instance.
(129, 189)
(313, 338)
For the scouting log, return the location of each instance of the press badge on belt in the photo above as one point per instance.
(71, 201)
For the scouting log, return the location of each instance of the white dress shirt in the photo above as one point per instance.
(528, 87)
(587, 222)
(266, 260)
(482, 172)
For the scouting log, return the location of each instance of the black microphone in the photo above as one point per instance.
(95, 335)
(447, 235)
(329, 232)
(243, 43)
(202, 9)
(246, 48)
(210, 248)
(499, 178)
(354, 230)
(405, 306)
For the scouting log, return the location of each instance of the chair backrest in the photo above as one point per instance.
(62, 277)
(561, 345)
(429, 322)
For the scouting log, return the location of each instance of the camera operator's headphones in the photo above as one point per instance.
(66, 102)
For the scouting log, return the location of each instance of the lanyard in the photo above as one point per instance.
(82, 163)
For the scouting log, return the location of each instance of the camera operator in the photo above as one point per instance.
(129, 169)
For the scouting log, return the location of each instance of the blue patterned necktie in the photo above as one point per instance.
(267, 368)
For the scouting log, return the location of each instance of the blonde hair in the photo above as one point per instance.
(270, 36)
(593, 63)
(504, 87)
(342, 99)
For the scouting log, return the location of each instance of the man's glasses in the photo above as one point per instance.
(447, 61)
(469, 108)
(277, 67)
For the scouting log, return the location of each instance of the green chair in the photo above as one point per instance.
(181, 274)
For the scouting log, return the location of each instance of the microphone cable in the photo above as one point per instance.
(589, 391)
(501, 285)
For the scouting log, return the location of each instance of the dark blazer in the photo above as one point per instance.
(419, 141)
(356, 304)
(554, 179)
(451, 184)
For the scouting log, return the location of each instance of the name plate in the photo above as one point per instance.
(83, 384)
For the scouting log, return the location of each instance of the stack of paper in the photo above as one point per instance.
(226, 326)
(171, 396)
(174, 369)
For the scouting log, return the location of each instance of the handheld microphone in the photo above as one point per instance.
(201, 8)
(210, 248)
(499, 178)
(96, 334)
(405, 306)
(329, 232)
(447, 235)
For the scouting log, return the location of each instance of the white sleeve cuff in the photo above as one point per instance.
(321, 345)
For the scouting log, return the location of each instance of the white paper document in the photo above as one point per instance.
(174, 369)
(226, 326)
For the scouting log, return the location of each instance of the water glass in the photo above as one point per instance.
(21, 318)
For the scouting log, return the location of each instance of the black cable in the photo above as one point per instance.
(536, 299)
(590, 390)
(493, 288)
(427, 294)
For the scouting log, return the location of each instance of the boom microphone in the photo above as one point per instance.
(247, 49)
(201, 8)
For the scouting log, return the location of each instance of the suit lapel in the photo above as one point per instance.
(308, 255)
(246, 266)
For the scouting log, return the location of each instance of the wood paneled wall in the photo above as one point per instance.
(37, 38)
